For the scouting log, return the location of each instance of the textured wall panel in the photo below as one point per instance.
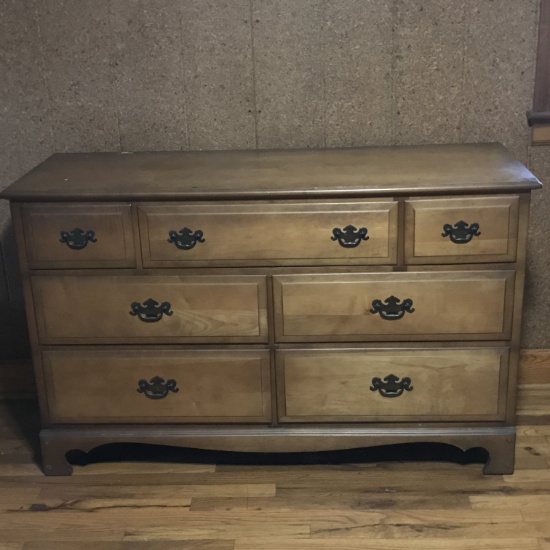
(76, 42)
(358, 77)
(26, 139)
(536, 324)
(147, 54)
(499, 72)
(25, 121)
(289, 72)
(217, 55)
(429, 55)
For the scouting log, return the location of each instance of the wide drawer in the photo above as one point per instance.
(78, 235)
(435, 305)
(119, 309)
(287, 233)
(157, 386)
(405, 385)
(465, 230)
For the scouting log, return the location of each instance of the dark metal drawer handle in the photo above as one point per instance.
(185, 239)
(391, 386)
(350, 237)
(461, 232)
(391, 309)
(157, 388)
(77, 239)
(151, 311)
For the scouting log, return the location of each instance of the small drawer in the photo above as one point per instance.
(148, 386)
(436, 305)
(461, 230)
(60, 236)
(288, 233)
(404, 385)
(171, 309)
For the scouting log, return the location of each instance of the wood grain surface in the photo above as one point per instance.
(94, 309)
(497, 218)
(113, 244)
(288, 233)
(210, 386)
(307, 173)
(446, 304)
(445, 384)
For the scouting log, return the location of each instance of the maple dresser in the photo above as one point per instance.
(275, 301)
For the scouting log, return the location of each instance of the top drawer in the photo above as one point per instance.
(78, 235)
(284, 233)
(461, 230)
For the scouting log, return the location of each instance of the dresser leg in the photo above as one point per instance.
(53, 458)
(501, 455)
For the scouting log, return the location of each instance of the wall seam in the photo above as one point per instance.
(45, 79)
(529, 145)
(465, 33)
(324, 79)
(393, 103)
(185, 91)
(253, 61)
(114, 66)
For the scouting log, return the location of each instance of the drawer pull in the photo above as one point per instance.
(185, 239)
(77, 239)
(391, 386)
(391, 309)
(151, 311)
(157, 388)
(350, 237)
(461, 232)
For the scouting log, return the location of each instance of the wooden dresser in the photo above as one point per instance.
(275, 301)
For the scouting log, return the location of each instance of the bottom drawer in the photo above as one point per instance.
(399, 385)
(157, 386)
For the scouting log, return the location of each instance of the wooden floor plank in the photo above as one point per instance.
(533, 456)
(302, 477)
(485, 502)
(528, 476)
(515, 543)
(329, 500)
(132, 545)
(413, 517)
(143, 468)
(220, 528)
(529, 431)
(430, 530)
(66, 532)
(159, 492)
(17, 497)
(533, 403)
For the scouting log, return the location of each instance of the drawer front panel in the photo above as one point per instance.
(73, 236)
(432, 384)
(426, 305)
(150, 309)
(284, 234)
(122, 386)
(466, 230)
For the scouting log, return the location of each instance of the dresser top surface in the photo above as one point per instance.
(266, 174)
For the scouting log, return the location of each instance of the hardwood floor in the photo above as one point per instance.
(207, 506)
